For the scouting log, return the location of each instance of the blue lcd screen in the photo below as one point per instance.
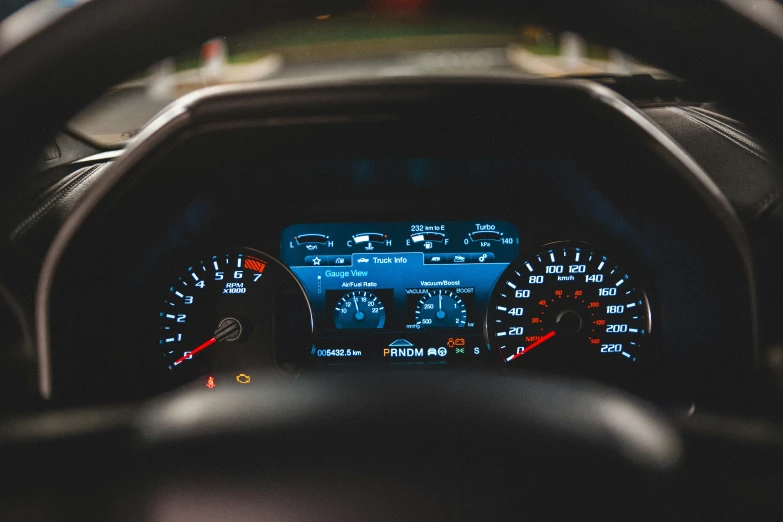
(423, 285)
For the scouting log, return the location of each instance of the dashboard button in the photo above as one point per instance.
(458, 259)
(340, 260)
(482, 257)
(436, 259)
(317, 261)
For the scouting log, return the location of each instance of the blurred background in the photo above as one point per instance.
(391, 37)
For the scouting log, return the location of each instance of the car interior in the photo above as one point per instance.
(391, 259)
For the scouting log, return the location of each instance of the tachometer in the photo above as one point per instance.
(232, 311)
(568, 305)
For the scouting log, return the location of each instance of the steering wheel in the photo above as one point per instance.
(369, 445)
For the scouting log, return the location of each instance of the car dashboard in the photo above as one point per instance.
(409, 224)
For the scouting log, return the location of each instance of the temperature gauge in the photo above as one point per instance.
(369, 237)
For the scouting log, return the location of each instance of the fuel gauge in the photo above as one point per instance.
(428, 237)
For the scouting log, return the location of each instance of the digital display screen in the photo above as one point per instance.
(399, 292)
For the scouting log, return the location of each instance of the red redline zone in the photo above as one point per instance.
(255, 264)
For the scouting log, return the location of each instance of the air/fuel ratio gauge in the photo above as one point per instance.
(568, 305)
(359, 309)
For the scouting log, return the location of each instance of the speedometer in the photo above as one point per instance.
(569, 305)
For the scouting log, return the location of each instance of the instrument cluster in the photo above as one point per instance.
(422, 293)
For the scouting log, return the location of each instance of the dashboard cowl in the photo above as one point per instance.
(612, 173)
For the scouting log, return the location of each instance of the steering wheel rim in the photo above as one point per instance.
(469, 443)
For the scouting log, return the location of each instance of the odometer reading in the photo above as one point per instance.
(568, 305)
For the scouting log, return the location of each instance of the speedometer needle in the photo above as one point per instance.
(528, 348)
(192, 353)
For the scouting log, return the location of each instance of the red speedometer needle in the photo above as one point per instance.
(528, 348)
(192, 353)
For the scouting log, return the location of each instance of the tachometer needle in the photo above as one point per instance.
(192, 353)
(229, 330)
(528, 348)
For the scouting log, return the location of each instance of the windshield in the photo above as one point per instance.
(363, 44)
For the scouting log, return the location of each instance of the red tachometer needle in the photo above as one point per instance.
(194, 352)
(528, 348)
